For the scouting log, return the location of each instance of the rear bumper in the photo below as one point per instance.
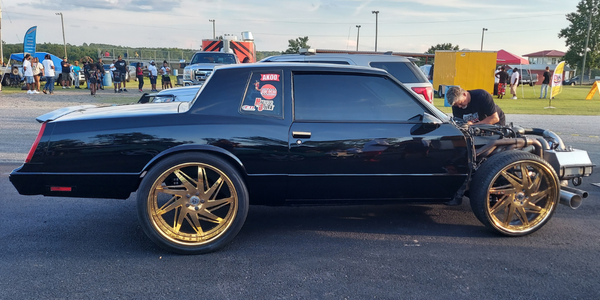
(99, 185)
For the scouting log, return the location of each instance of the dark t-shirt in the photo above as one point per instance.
(546, 78)
(502, 77)
(481, 106)
(121, 66)
(100, 66)
(65, 67)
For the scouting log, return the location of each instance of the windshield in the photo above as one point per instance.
(213, 58)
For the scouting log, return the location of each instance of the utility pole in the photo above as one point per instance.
(482, 32)
(357, 36)
(376, 12)
(213, 21)
(587, 39)
(63, 31)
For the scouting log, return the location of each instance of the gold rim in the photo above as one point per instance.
(192, 204)
(522, 196)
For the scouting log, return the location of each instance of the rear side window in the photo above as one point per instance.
(264, 95)
(403, 71)
(351, 97)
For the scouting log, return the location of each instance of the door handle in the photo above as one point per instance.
(301, 134)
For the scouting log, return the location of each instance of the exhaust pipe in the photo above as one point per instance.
(573, 190)
(569, 199)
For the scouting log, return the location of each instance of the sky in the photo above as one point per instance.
(520, 27)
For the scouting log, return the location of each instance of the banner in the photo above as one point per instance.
(29, 41)
(557, 79)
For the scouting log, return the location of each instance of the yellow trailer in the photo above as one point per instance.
(468, 69)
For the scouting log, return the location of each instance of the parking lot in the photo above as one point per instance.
(94, 248)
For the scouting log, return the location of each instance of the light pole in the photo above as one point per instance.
(376, 12)
(357, 36)
(63, 30)
(213, 21)
(482, 32)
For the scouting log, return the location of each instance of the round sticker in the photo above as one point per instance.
(268, 91)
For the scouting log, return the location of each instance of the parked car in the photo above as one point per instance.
(576, 80)
(293, 134)
(179, 94)
(400, 67)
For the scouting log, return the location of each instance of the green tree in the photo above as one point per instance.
(575, 35)
(445, 46)
(295, 45)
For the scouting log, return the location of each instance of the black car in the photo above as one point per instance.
(577, 80)
(292, 134)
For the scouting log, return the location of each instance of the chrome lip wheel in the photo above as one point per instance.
(192, 204)
(521, 197)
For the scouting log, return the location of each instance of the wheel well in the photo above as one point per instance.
(235, 164)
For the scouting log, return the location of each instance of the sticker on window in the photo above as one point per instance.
(248, 107)
(269, 77)
(262, 104)
(268, 91)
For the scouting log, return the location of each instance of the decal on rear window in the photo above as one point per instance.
(264, 94)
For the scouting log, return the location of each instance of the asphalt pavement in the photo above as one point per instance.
(72, 248)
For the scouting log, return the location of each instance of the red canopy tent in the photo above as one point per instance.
(506, 58)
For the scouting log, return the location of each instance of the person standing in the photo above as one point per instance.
(38, 71)
(65, 75)
(121, 66)
(28, 73)
(166, 75)
(100, 79)
(76, 71)
(474, 106)
(49, 73)
(502, 78)
(545, 83)
(152, 73)
(514, 82)
(139, 74)
(93, 75)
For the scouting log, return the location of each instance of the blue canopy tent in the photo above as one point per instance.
(40, 55)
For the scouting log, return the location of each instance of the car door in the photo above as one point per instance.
(363, 137)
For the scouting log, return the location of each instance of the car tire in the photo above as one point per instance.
(509, 203)
(192, 203)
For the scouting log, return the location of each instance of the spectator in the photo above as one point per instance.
(112, 69)
(545, 83)
(474, 106)
(502, 76)
(139, 74)
(87, 70)
(514, 82)
(100, 79)
(49, 73)
(28, 73)
(38, 71)
(166, 75)
(65, 75)
(121, 66)
(93, 78)
(117, 79)
(152, 73)
(76, 72)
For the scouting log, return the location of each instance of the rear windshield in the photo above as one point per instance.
(403, 71)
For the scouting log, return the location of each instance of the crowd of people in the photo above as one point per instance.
(94, 73)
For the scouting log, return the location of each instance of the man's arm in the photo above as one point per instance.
(493, 119)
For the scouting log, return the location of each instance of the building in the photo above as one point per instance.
(538, 61)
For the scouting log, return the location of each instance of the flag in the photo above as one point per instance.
(29, 41)
(557, 80)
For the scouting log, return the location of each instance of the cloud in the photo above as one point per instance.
(130, 5)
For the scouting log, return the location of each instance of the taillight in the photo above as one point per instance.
(35, 144)
(425, 92)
